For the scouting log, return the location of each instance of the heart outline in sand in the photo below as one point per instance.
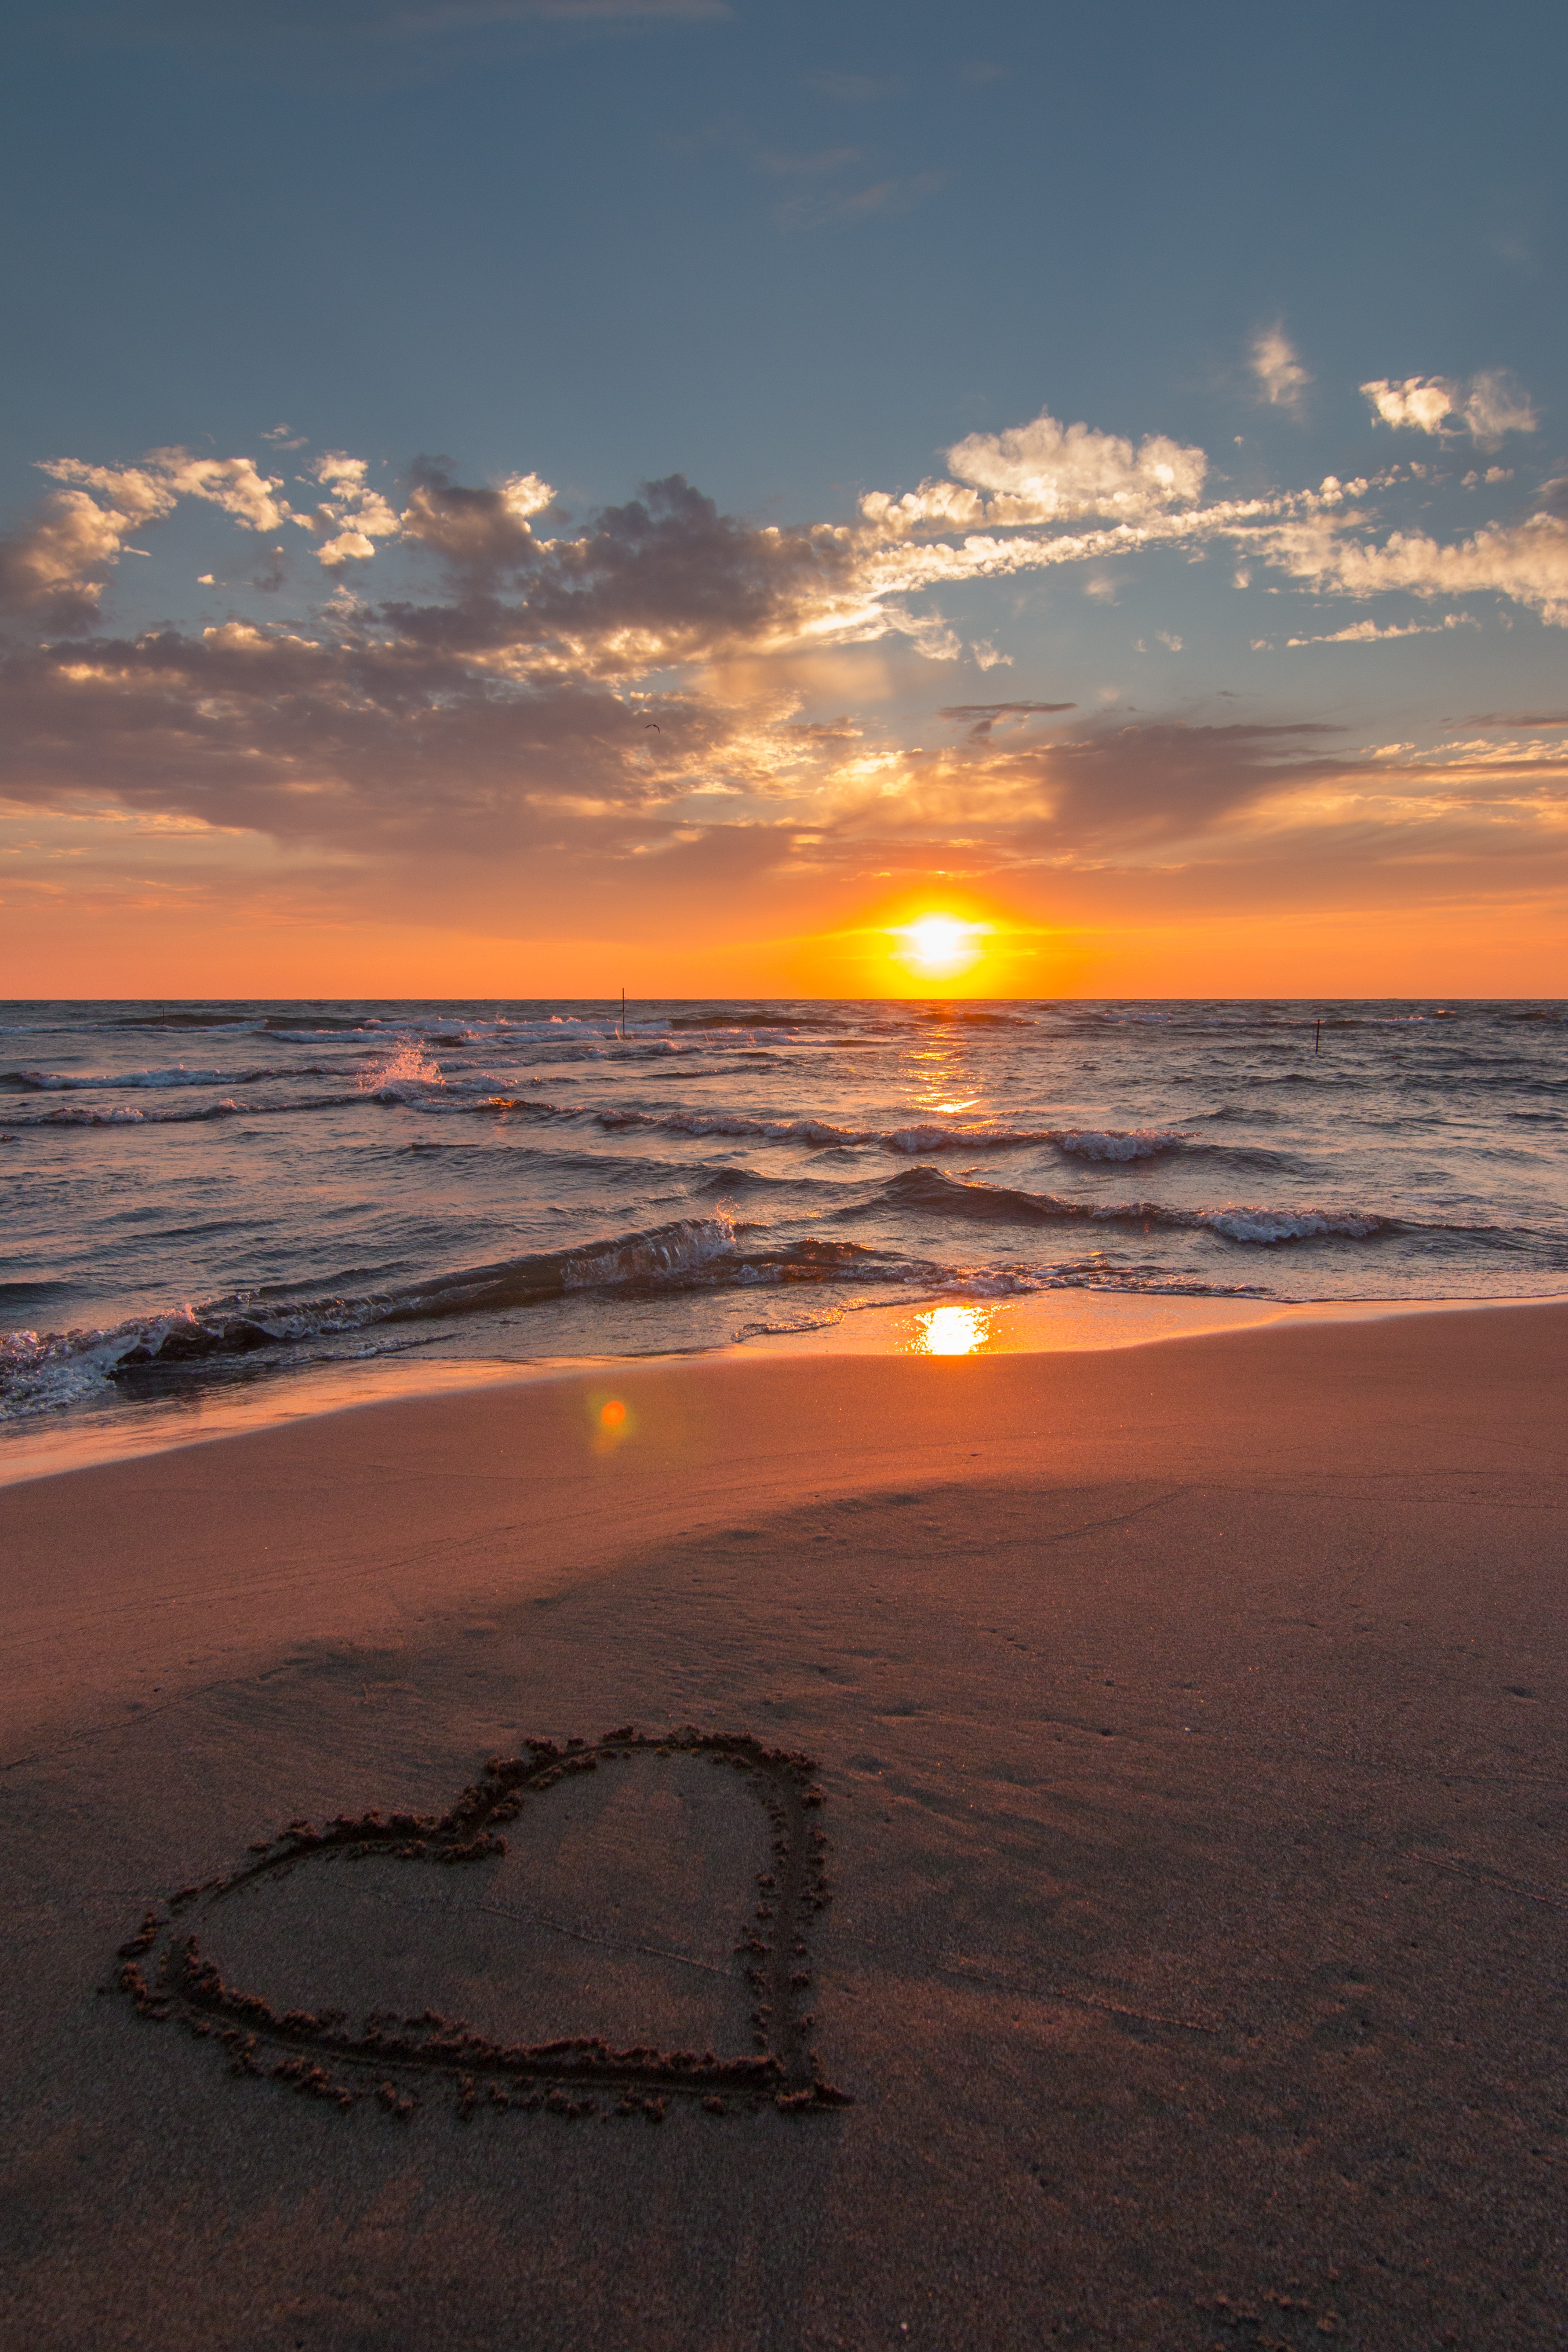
(559, 2076)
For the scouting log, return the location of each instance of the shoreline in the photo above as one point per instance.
(1184, 1734)
(1068, 1321)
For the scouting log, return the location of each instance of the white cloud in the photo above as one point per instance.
(352, 517)
(232, 484)
(73, 539)
(1527, 561)
(147, 492)
(1045, 472)
(82, 530)
(1485, 408)
(1420, 403)
(1367, 632)
(1282, 380)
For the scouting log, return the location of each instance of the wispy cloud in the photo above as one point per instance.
(1282, 380)
(1512, 719)
(1369, 633)
(886, 199)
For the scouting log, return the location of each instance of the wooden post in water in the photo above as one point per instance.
(1318, 1040)
(623, 1017)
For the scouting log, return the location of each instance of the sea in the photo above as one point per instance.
(205, 1198)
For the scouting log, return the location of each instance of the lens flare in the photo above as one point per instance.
(611, 1420)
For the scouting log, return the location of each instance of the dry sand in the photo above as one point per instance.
(1190, 1724)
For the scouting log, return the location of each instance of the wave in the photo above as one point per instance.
(45, 1370)
(86, 1114)
(928, 1192)
(39, 1369)
(75, 1114)
(1086, 1143)
(55, 1082)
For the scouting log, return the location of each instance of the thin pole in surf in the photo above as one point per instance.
(623, 1017)
(1318, 1040)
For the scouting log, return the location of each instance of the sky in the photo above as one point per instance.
(534, 497)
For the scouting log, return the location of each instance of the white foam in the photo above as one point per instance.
(1114, 1143)
(677, 1249)
(1272, 1225)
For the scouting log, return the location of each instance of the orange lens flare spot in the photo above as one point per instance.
(613, 1414)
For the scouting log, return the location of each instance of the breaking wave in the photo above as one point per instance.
(39, 1369)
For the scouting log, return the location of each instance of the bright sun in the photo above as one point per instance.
(937, 942)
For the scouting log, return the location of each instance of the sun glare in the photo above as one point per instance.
(941, 943)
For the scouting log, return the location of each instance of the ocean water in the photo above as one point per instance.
(207, 1193)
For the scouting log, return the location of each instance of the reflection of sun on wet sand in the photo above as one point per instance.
(1188, 1728)
(950, 1331)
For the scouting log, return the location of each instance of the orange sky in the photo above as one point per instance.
(153, 948)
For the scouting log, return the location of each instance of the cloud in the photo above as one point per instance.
(1117, 789)
(147, 491)
(1282, 380)
(353, 517)
(491, 701)
(1485, 408)
(1511, 718)
(484, 534)
(839, 207)
(54, 566)
(984, 715)
(47, 568)
(1368, 633)
(1526, 561)
(1043, 472)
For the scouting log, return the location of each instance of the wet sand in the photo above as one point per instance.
(1186, 1923)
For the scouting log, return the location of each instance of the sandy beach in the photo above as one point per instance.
(1135, 1780)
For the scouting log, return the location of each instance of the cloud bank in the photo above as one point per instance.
(491, 679)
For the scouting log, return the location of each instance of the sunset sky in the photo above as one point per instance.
(524, 498)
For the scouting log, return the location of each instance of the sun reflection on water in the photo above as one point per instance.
(952, 1330)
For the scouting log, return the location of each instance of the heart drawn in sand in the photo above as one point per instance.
(297, 1912)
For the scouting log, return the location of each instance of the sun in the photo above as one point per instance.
(939, 943)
